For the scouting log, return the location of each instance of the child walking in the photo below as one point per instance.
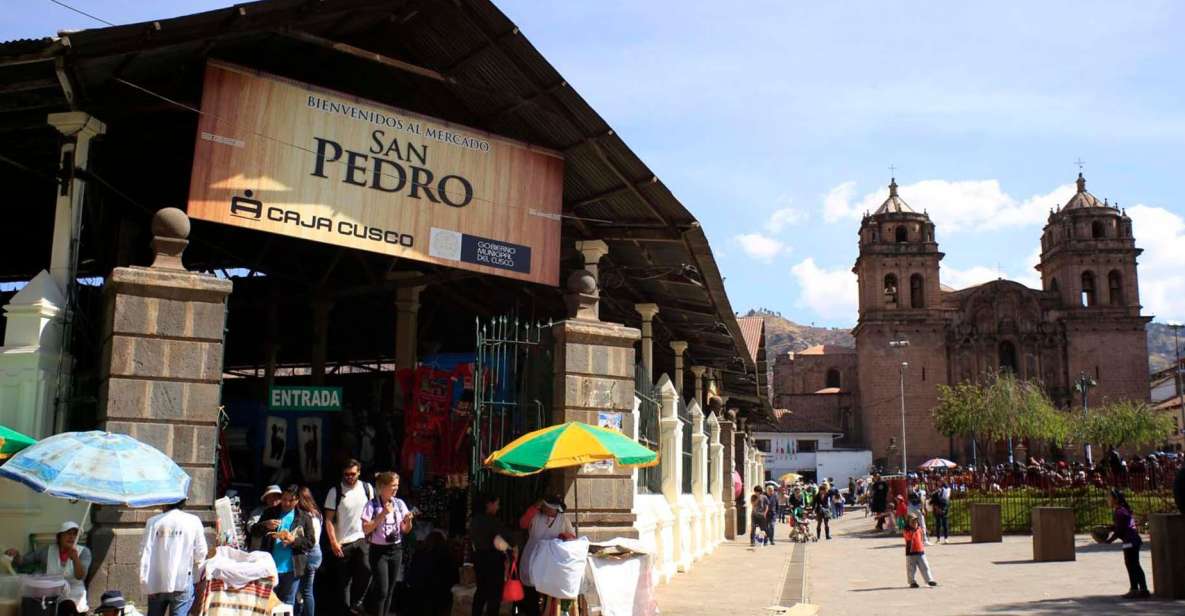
(915, 553)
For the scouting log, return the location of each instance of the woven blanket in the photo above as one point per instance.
(215, 598)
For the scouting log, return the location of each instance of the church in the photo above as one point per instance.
(916, 333)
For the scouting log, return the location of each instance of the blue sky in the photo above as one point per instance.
(776, 124)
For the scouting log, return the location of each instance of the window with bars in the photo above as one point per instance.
(685, 419)
(649, 479)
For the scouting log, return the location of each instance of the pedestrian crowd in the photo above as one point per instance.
(797, 505)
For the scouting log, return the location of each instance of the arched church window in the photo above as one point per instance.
(1089, 295)
(890, 289)
(902, 234)
(916, 292)
(1053, 286)
(1007, 357)
(1115, 288)
(833, 379)
(1097, 230)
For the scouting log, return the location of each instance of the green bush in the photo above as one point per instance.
(1090, 505)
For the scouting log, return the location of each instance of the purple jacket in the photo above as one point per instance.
(1125, 526)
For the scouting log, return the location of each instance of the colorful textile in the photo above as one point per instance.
(216, 598)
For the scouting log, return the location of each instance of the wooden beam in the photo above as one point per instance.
(358, 52)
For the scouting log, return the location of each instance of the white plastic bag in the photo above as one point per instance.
(557, 567)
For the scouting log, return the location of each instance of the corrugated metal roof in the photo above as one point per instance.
(494, 79)
(753, 331)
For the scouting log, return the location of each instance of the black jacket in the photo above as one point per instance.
(300, 547)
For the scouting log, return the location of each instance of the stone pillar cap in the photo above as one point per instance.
(646, 310)
(679, 346)
(698, 370)
(170, 236)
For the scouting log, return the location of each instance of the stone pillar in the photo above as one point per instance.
(727, 464)
(711, 385)
(698, 373)
(647, 311)
(1168, 555)
(407, 311)
(321, 308)
(594, 374)
(670, 441)
(162, 375)
(679, 347)
(699, 480)
(77, 128)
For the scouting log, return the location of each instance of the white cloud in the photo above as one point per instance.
(761, 247)
(961, 279)
(966, 205)
(832, 294)
(784, 217)
(1161, 234)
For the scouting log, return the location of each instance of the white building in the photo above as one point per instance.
(796, 445)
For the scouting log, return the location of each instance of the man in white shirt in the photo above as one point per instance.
(174, 542)
(343, 528)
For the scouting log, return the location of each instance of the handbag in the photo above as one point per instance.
(512, 590)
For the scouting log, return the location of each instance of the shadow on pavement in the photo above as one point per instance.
(1098, 604)
(1023, 561)
(1101, 547)
(881, 588)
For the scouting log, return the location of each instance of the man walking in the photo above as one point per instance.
(878, 500)
(174, 543)
(343, 516)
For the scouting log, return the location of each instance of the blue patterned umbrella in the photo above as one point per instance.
(99, 467)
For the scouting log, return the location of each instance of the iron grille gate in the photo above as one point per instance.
(650, 478)
(512, 396)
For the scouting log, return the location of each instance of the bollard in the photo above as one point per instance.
(1053, 534)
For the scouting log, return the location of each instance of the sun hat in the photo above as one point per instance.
(272, 489)
(112, 600)
(67, 527)
(555, 502)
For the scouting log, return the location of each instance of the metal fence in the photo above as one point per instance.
(1089, 503)
(512, 396)
(650, 478)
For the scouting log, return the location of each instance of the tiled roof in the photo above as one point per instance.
(753, 330)
(826, 349)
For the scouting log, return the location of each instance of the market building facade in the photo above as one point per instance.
(423, 245)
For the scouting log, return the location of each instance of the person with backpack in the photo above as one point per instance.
(386, 520)
(759, 506)
(347, 543)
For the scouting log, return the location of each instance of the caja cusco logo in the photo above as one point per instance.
(248, 207)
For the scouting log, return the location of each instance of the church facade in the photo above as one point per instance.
(912, 330)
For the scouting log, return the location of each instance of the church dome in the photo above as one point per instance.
(1083, 199)
(894, 204)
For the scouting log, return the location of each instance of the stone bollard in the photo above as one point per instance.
(986, 526)
(1168, 555)
(1053, 534)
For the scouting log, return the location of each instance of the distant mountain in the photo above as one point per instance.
(1160, 346)
(785, 336)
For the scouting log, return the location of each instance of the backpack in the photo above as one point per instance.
(337, 493)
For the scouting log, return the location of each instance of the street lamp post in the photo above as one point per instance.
(1177, 370)
(1083, 385)
(901, 344)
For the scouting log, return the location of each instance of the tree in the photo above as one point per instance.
(1000, 408)
(1123, 423)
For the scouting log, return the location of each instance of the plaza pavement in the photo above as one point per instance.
(861, 573)
(734, 580)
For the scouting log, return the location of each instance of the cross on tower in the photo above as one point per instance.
(893, 170)
(1081, 163)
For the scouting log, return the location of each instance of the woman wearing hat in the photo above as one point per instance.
(65, 558)
(543, 521)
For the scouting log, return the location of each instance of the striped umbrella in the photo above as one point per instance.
(99, 467)
(569, 444)
(936, 463)
(12, 441)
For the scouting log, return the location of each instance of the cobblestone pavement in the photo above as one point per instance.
(735, 580)
(862, 574)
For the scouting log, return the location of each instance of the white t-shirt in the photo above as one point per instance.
(316, 529)
(542, 528)
(347, 521)
(174, 542)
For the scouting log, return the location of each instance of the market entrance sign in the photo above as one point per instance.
(290, 158)
(296, 398)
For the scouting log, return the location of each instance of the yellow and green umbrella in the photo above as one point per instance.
(569, 444)
(790, 477)
(12, 441)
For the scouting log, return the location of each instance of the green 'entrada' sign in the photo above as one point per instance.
(302, 398)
